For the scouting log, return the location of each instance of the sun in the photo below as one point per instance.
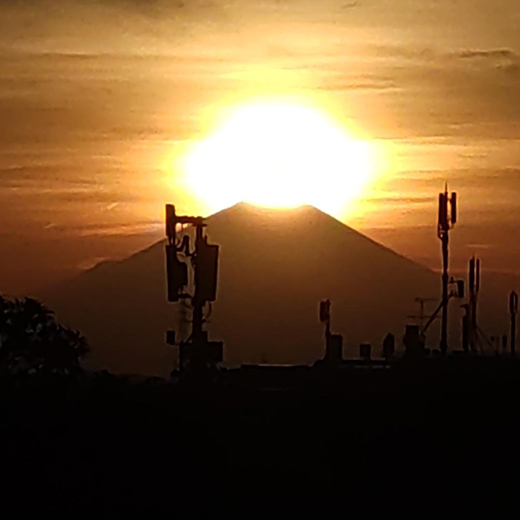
(279, 155)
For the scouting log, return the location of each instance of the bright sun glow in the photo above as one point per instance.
(279, 155)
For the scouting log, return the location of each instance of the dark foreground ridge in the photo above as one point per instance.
(438, 439)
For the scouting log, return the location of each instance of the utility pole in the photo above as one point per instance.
(447, 219)
(513, 310)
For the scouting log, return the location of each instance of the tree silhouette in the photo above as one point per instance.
(32, 342)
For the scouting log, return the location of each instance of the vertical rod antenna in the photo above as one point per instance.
(446, 220)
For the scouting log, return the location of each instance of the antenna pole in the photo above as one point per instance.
(198, 320)
(447, 219)
(445, 260)
(474, 288)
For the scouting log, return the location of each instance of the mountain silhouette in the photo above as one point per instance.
(275, 267)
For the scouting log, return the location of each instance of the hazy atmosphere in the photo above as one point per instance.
(100, 100)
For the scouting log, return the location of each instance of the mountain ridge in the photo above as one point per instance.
(275, 267)
(265, 210)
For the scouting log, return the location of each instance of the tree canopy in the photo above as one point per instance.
(32, 342)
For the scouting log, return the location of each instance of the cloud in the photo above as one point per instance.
(338, 84)
(440, 56)
(135, 228)
(398, 199)
(489, 54)
(350, 5)
(505, 60)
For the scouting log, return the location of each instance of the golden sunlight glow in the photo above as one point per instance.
(279, 155)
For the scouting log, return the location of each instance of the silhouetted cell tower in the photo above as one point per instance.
(447, 219)
(197, 352)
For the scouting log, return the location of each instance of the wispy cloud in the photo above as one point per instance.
(94, 93)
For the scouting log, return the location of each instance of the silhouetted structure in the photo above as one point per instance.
(197, 353)
(413, 342)
(474, 289)
(447, 219)
(333, 342)
(457, 292)
(365, 351)
(389, 346)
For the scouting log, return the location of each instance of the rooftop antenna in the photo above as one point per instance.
(474, 289)
(446, 220)
(197, 352)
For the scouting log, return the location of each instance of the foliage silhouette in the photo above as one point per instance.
(32, 342)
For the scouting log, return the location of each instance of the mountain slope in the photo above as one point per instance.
(275, 267)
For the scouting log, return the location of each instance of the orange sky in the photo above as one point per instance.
(96, 96)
